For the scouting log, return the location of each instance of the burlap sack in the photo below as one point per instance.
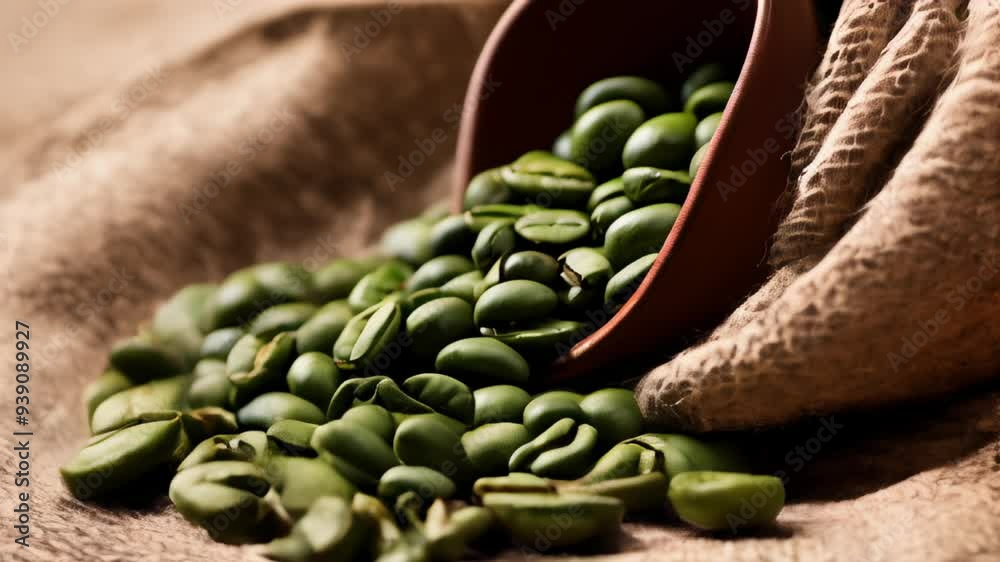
(273, 143)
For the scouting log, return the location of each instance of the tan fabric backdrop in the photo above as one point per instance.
(113, 204)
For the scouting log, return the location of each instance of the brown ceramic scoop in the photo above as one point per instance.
(542, 54)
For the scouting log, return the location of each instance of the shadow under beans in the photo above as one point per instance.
(148, 495)
(779, 531)
(845, 456)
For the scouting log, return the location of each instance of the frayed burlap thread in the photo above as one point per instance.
(886, 290)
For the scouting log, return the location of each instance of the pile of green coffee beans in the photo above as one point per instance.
(376, 408)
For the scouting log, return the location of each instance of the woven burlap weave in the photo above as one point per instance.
(274, 141)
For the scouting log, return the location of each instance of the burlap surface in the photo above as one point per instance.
(273, 143)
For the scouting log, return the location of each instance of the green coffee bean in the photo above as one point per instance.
(315, 377)
(374, 418)
(571, 460)
(482, 359)
(175, 324)
(281, 318)
(219, 343)
(665, 142)
(114, 460)
(515, 482)
(389, 542)
(377, 332)
(329, 530)
(271, 407)
(210, 385)
(378, 285)
(491, 278)
(600, 134)
(621, 461)
(653, 99)
(718, 500)
(159, 399)
(354, 392)
(493, 241)
(703, 76)
(420, 394)
(109, 383)
(706, 129)
(438, 271)
(463, 286)
(283, 282)
(336, 279)
(249, 446)
(205, 421)
(547, 408)
(513, 302)
(585, 267)
(640, 493)
(409, 241)
(242, 355)
(696, 161)
(614, 413)
(426, 482)
(607, 213)
(553, 227)
(429, 440)
(604, 192)
(289, 548)
(226, 498)
(270, 364)
(451, 236)
(523, 514)
(299, 482)
(578, 299)
(531, 266)
(644, 185)
(490, 446)
(443, 394)
(499, 403)
(235, 302)
(477, 218)
(542, 339)
(487, 188)
(419, 298)
(344, 344)
(450, 534)
(438, 323)
(293, 436)
(436, 211)
(626, 282)
(709, 99)
(141, 360)
(639, 233)
(685, 454)
(562, 146)
(358, 454)
(543, 179)
(558, 434)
